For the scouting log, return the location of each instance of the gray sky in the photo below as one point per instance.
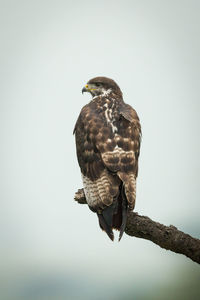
(49, 50)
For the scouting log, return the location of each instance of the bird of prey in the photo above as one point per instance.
(108, 135)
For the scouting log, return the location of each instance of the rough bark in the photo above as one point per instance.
(167, 237)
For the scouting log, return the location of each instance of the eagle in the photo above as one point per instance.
(108, 135)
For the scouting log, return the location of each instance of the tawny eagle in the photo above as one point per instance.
(108, 134)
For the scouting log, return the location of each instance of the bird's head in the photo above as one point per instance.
(101, 86)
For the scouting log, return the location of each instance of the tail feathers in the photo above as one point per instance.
(114, 216)
(105, 226)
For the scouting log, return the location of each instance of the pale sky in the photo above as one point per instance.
(49, 50)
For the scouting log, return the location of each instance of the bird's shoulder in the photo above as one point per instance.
(128, 113)
(89, 114)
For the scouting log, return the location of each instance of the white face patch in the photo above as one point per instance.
(101, 92)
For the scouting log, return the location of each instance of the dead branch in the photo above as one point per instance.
(167, 237)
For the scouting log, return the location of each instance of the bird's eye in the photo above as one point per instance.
(98, 84)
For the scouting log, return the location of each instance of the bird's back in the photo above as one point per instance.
(108, 141)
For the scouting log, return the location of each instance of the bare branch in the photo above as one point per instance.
(167, 237)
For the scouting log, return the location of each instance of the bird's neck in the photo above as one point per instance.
(108, 96)
(103, 93)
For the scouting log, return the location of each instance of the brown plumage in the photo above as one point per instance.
(108, 137)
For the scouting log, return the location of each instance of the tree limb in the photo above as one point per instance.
(167, 237)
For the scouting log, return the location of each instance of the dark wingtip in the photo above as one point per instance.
(124, 214)
(123, 226)
(105, 226)
(109, 233)
(120, 235)
(111, 236)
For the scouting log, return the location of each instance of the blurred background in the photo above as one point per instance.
(51, 247)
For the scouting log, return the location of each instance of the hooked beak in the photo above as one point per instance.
(85, 89)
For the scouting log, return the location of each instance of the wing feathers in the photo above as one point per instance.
(108, 143)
